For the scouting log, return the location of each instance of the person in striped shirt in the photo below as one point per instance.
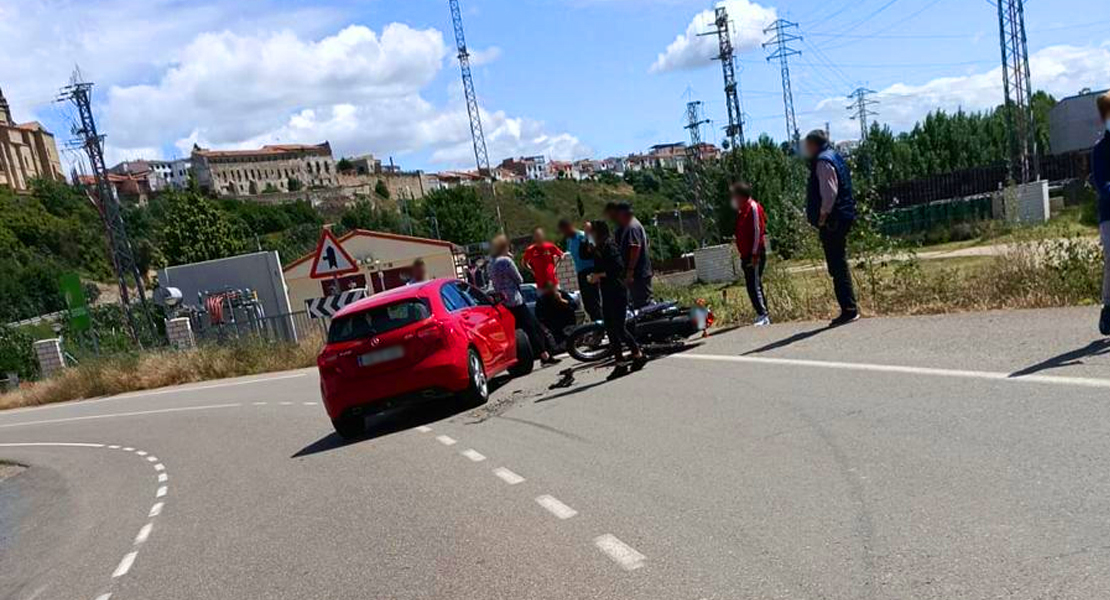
(751, 241)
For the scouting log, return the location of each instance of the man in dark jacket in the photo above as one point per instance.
(831, 208)
(1100, 177)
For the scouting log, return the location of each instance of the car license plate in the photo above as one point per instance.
(381, 356)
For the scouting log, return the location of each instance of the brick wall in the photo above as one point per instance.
(49, 354)
(180, 333)
(568, 277)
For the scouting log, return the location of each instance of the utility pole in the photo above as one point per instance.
(861, 109)
(79, 93)
(694, 122)
(1016, 83)
(477, 136)
(734, 131)
(781, 38)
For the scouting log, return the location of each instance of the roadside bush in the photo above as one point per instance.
(136, 371)
(16, 353)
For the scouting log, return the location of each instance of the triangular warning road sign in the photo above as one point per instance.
(331, 259)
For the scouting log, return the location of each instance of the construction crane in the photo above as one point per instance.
(478, 137)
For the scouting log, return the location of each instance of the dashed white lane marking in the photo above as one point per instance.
(162, 478)
(624, 555)
(159, 467)
(144, 533)
(473, 455)
(128, 449)
(123, 414)
(555, 507)
(113, 447)
(508, 476)
(286, 403)
(309, 403)
(125, 564)
(446, 440)
(152, 459)
(258, 403)
(104, 597)
(156, 509)
(140, 452)
(424, 429)
(161, 491)
(903, 370)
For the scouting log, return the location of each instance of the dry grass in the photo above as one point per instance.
(1040, 274)
(134, 372)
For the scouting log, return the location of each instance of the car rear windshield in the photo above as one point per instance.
(378, 320)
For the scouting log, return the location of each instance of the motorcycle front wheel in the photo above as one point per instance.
(588, 343)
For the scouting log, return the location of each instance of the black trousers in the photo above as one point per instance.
(640, 291)
(526, 322)
(834, 240)
(591, 296)
(614, 309)
(753, 279)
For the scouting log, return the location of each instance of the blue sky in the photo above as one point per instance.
(568, 78)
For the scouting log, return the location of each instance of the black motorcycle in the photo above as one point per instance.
(657, 328)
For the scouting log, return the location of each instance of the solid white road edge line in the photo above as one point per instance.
(555, 507)
(123, 414)
(446, 440)
(621, 553)
(473, 455)
(65, 444)
(902, 369)
(508, 476)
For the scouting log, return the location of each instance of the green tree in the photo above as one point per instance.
(344, 165)
(460, 213)
(381, 189)
(196, 230)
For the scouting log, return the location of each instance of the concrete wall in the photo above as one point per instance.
(717, 264)
(1074, 124)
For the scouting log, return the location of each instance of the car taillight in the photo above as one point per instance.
(430, 334)
(709, 319)
(328, 361)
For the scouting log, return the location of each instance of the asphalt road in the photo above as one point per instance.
(964, 456)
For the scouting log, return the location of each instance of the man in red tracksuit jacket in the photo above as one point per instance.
(751, 241)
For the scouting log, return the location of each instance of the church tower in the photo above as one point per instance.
(5, 110)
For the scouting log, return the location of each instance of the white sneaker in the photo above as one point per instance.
(762, 321)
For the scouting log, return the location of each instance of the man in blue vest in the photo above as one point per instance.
(1100, 177)
(831, 208)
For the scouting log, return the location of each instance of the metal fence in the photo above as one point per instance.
(291, 327)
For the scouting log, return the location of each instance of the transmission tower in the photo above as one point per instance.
(861, 109)
(481, 154)
(780, 40)
(694, 122)
(79, 93)
(1024, 164)
(734, 131)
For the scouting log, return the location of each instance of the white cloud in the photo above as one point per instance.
(357, 89)
(691, 50)
(1059, 70)
(484, 56)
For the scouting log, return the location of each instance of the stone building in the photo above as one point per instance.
(27, 152)
(266, 170)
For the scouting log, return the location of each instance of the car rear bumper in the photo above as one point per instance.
(433, 379)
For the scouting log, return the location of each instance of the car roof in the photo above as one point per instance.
(417, 290)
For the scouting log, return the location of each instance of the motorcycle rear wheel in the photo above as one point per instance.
(589, 343)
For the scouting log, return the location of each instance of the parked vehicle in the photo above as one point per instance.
(436, 341)
(659, 327)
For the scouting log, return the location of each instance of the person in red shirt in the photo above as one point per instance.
(751, 241)
(540, 258)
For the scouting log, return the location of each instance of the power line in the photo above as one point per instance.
(477, 135)
(1018, 90)
(861, 109)
(726, 54)
(783, 36)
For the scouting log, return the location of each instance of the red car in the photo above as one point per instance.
(429, 341)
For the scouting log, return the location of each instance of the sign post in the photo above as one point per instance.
(79, 317)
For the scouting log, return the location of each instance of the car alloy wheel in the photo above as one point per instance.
(478, 376)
